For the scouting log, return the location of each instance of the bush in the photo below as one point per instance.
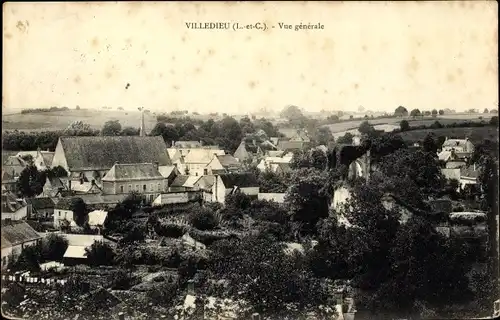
(100, 254)
(54, 246)
(207, 237)
(122, 280)
(170, 230)
(204, 220)
(172, 260)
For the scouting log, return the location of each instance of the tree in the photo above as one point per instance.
(271, 182)
(427, 113)
(346, 139)
(307, 198)
(494, 121)
(260, 272)
(204, 219)
(100, 254)
(314, 158)
(434, 112)
(130, 131)
(420, 167)
(79, 208)
(292, 113)
(486, 110)
(441, 112)
(415, 113)
(401, 112)
(58, 172)
(111, 128)
(404, 125)
(29, 259)
(429, 144)
(385, 144)
(493, 111)
(365, 128)
(54, 246)
(323, 136)
(30, 182)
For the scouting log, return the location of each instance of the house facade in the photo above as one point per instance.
(40, 208)
(12, 208)
(226, 184)
(223, 164)
(63, 213)
(88, 159)
(16, 235)
(248, 150)
(143, 178)
(458, 145)
(196, 160)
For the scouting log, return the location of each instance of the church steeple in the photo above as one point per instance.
(142, 132)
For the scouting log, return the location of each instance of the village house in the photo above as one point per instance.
(169, 173)
(63, 213)
(53, 186)
(205, 184)
(143, 178)
(223, 164)
(40, 208)
(14, 165)
(9, 184)
(88, 159)
(229, 183)
(460, 146)
(184, 183)
(197, 159)
(77, 243)
(273, 164)
(248, 151)
(292, 145)
(16, 235)
(13, 208)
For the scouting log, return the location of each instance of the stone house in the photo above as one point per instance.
(196, 160)
(40, 208)
(63, 213)
(88, 159)
(229, 183)
(16, 235)
(13, 208)
(143, 178)
(223, 164)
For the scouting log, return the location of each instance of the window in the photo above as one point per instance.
(144, 188)
(121, 189)
(152, 187)
(136, 187)
(159, 187)
(129, 188)
(205, 171)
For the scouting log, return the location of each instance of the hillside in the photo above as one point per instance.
(476, 135)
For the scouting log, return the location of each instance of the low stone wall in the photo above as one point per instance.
(33, 280)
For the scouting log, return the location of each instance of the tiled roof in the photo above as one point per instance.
(14, 161)
(179, 181)
(65, 203)
(241, 180)
(17, 232)
(101, 152)
(228, 160)
(132, 171)
(191, 181)
(10, 203)
(202, 155)
(41, 203)
(206, 182)
(291, 145)
(454, 143)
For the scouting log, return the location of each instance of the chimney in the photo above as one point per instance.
(191, 287)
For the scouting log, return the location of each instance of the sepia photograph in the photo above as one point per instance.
(238, 160)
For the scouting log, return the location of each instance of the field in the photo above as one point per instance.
(59, 120)
(476, 135)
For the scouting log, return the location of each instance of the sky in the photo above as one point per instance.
(378, 55)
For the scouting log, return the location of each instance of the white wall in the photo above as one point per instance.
(60, 214)
(18, 215)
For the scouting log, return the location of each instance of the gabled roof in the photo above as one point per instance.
(179, 181)
(206, 182)
(101, 152)
(174, 154)
(47, 157)
(240, 180)
(10, 203)
(202, 155)
(166, 171)
(55, 182)
(291, 145)
(132, 171)
(228, 161)
(191, 181)
(455, 143)
(17, 232)
(41, 203)
(64, 203)
(7, 177)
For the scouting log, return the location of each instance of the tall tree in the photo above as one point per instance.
(111, 128)
(30, 182)
(415, 113)
(401, 112)
(429, 144)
